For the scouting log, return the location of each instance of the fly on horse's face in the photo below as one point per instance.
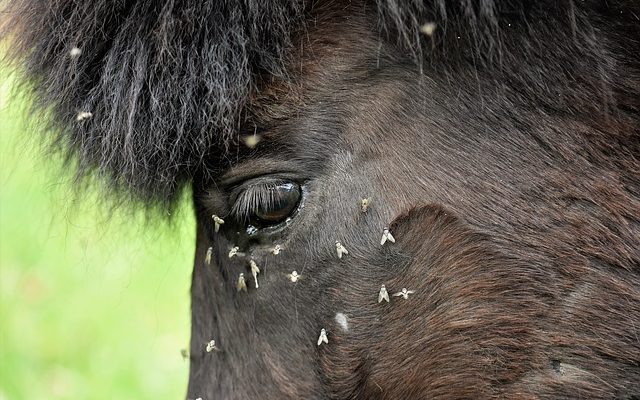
(425, 200)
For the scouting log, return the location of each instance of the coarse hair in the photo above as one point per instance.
(143, 91)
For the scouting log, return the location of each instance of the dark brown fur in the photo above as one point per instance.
(503, 152)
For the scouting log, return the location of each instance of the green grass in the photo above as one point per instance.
(91, 307)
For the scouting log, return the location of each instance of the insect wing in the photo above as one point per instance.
(242, 285)
(390, 237)
(383, 295)
(323, 337)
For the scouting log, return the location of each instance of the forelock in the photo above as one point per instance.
(160, 83)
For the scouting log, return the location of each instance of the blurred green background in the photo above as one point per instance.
(93, 305)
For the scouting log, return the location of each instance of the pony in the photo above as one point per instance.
(395, 199)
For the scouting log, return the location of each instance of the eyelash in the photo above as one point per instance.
(254, 197)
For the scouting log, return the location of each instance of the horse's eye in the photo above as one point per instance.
(267, 203)
(282, 201)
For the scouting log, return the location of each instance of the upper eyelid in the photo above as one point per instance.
(236, 185)
(239, 198)
(246, 190)
(257, 168)
(235, 191)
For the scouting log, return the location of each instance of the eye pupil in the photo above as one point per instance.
(284, 200)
